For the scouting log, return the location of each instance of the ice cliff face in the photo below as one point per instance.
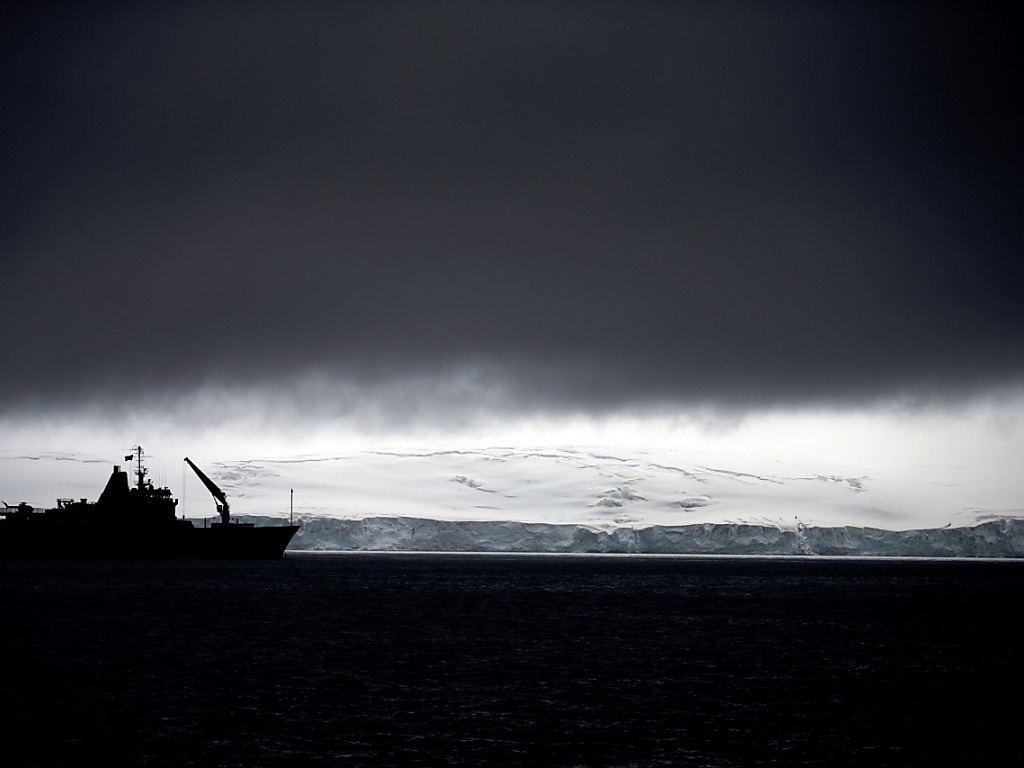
(998, 538)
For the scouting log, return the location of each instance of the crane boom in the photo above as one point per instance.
(218, 494)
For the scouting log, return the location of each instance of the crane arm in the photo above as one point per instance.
(218, 494)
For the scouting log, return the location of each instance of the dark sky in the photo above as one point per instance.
(591, 205)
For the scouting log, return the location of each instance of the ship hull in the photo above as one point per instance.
(64, 539)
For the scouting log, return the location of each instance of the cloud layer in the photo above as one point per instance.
(570, 206)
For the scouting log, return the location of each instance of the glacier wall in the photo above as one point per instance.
(1002, 538)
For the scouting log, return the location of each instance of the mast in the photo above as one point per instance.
(140, 471)
(218, 494)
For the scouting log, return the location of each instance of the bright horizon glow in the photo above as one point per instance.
(975, 444)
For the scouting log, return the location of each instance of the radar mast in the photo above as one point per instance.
(140, 471)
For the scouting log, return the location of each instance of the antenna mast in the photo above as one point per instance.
(140, 472)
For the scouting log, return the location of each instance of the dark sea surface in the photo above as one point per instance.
(468, 660)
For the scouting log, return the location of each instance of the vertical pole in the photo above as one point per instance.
(291, 511)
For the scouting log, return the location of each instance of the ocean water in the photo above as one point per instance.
(472, 660)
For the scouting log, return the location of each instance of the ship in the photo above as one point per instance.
(135, 521)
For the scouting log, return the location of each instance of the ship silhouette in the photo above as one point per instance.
(136, 521)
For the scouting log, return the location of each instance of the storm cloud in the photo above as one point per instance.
(595, 205)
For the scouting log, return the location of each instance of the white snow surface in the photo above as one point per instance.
(602, 488)
(580, 499)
